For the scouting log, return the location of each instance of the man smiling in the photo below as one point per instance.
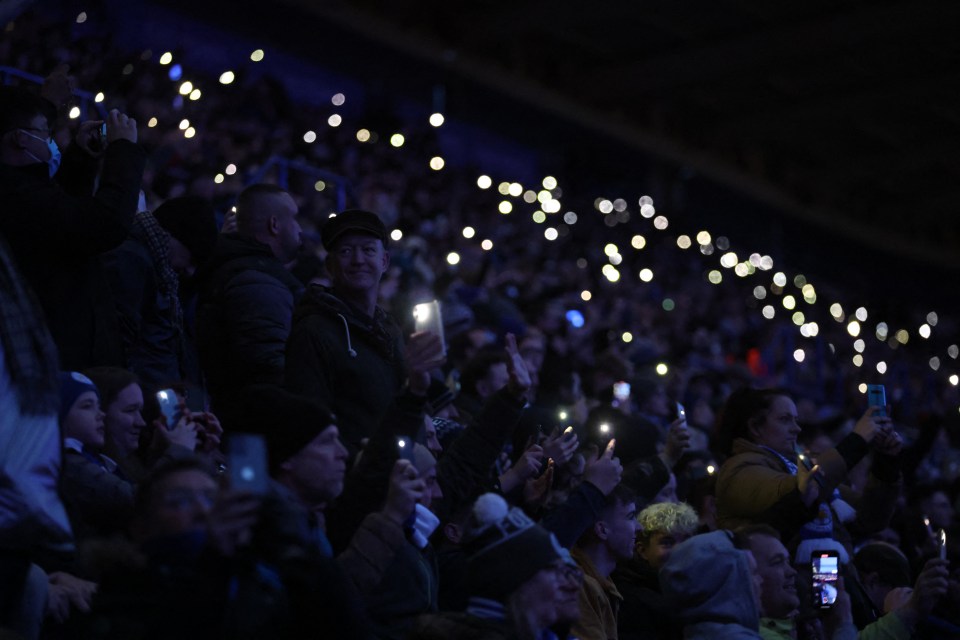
(779, 602)
(344, 350)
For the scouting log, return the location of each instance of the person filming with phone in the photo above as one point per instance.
(765, 480)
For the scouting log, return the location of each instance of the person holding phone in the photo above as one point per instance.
(345, 351)
(764, 481)
(123, 402)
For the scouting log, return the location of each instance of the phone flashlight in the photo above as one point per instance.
(427, 317)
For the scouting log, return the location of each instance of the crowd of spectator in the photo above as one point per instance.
(219, 415)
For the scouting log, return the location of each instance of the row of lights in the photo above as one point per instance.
(550, 205)
(729, 260)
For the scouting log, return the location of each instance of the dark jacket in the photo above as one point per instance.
(645, 614)
(57, 237)
(152, 343)
(177, 589)
(244, 311)
(350, 362)
(462, 626)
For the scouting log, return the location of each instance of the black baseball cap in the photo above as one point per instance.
(352, 221)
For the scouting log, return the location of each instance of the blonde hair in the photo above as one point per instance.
(668, 517)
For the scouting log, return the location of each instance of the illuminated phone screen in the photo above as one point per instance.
(825, 573)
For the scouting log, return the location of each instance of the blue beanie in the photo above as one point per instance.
(72, 386)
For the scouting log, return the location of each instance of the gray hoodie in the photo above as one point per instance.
(709, 584)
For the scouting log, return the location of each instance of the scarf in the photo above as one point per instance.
(29, 354)
(158, 244)
(844, 511)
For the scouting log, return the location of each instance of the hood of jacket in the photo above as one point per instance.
(380, 330)
(708, 580)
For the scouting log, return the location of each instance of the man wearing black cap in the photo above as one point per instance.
(145, 273)
(344, 350)
(247, 297)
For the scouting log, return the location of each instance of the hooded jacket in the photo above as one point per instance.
(708, 583)
(345, 359)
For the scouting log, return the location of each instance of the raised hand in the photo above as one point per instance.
(560, 447)
(678, 441)
(422, 353)
(406, 488)
(120, 127)
(605, 471)
(527, 466)
(520, 380)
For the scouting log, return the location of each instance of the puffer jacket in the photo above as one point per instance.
(244, 313)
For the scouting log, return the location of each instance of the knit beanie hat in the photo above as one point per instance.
(817, 535)
(72, 386)
(504, 549)
(439, 396)
(192, 221)
(288, 422)
(447, 431)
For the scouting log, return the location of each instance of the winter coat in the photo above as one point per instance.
(462, 626)
(244, 312)
(755, 486)
(57, 237)
(97, 501)
(350, 362)
(644, 614)
(599, 603)
(152, 344)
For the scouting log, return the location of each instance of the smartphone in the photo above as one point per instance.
(405, 448)
(247, 463)
(877, 397)
(825, 572)
(569, 434)
(427, 317)
(169, 407)
(681, 414)
(621, 391)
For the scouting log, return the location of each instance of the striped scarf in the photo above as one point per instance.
(29, 354)
(158, 244)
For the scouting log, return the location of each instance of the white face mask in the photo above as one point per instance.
(54, 162)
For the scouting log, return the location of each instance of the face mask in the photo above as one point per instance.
(54, 162)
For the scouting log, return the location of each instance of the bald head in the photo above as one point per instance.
(267, 213)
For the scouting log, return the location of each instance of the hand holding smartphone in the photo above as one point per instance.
(405, 448)
(877, 397)
(825, 572)
(427, 317)
(169, 407)
(247, 463)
